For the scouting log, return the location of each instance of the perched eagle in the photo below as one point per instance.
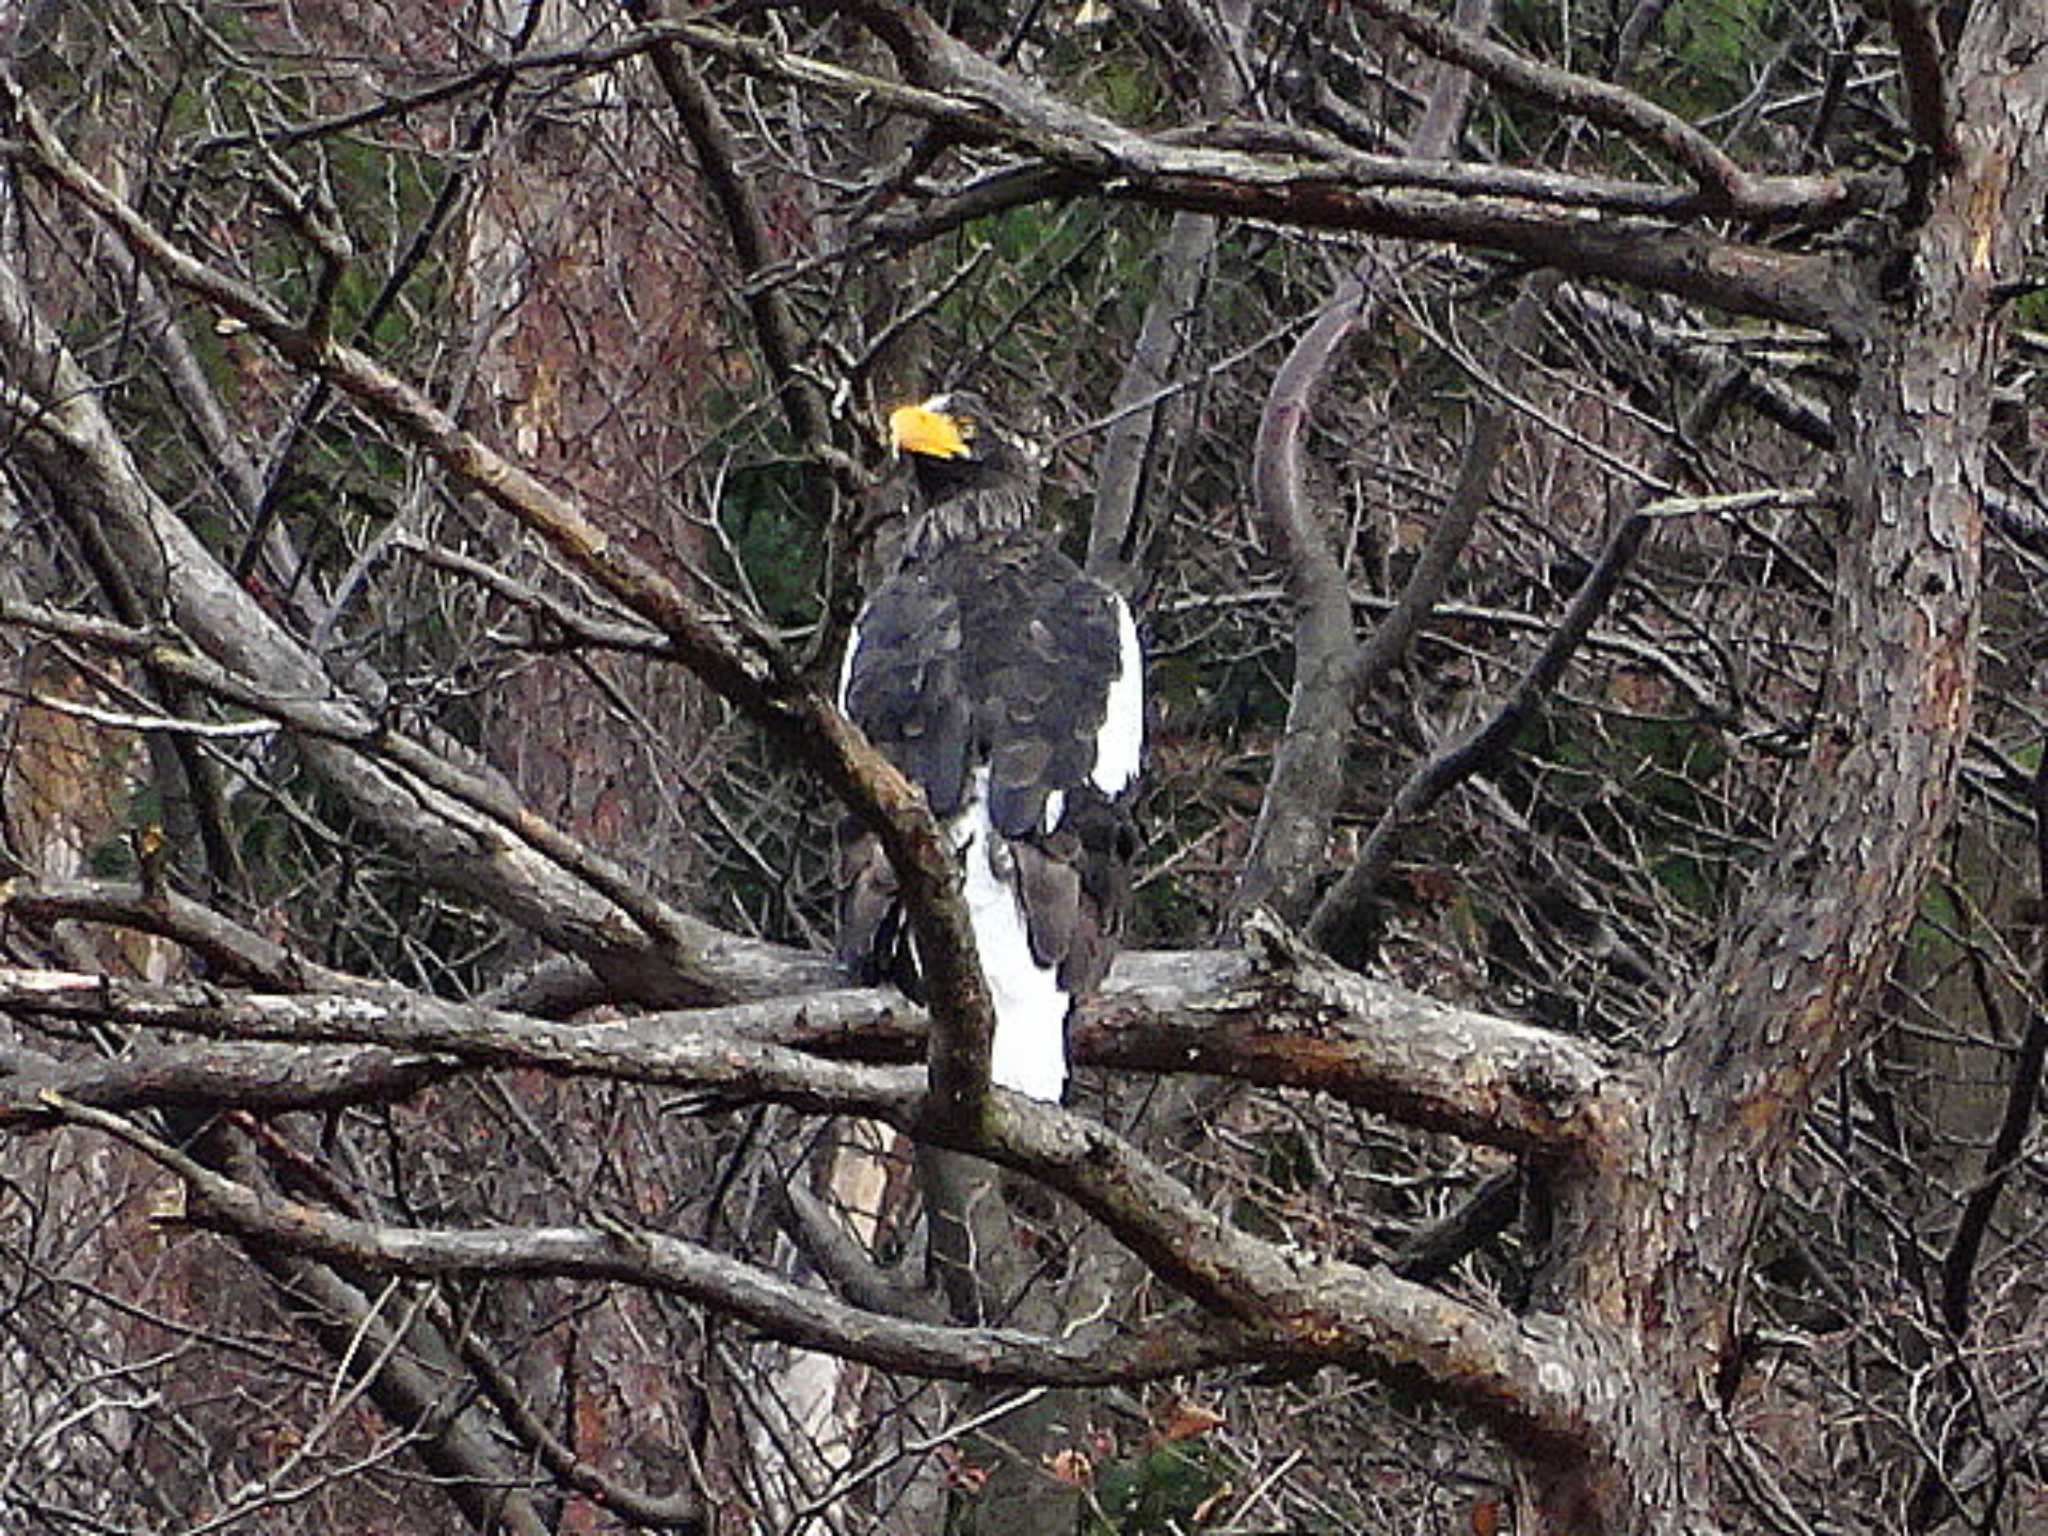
(1008, 684)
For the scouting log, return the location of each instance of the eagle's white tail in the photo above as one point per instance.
(1031, 1007)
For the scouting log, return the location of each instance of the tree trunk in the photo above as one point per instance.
(1652, 1244)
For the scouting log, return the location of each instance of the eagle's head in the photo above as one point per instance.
(954, 446)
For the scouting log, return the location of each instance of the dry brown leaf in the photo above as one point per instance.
(1071, 1467)
(1189, 1420)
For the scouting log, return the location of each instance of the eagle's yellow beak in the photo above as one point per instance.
(936, 435)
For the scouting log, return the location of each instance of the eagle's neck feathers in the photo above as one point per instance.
(965, 500)
(1006, 506)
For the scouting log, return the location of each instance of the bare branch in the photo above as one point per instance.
(735, 657)
(1292, 1017)
(633, 1256)
(1923, 79)
(455, 1442)
(1431, 576)
(1342, 911)
(215, 1076)
(1318, 183)
(1611, 106)
(1282, 1016)
(676, 1512)
(1138, 446)
(2022, 1098)
(1332, 672)
(775, 324)
(229, 948)
(316, 719)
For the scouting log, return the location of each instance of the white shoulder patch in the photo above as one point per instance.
(846, 666)
(1122, 740)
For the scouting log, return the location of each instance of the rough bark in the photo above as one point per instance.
(1657, 1172)
(1792, 985)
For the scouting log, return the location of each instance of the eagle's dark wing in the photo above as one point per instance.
(903, 682)
(1007, 683)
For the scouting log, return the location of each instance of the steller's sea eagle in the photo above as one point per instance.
(1008, 684)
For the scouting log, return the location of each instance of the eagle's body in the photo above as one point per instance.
(1007, 684)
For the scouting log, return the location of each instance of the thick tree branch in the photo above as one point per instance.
(1286, 1304)
(736, 658)
(779, 1308)
(1314, 182)
(1923, 79)
(66, 432)
(1285, 1015)
(228, 948)
(218, 1075)
(1793, 983)
(1865, 826)
(1278, 1015)
(1279, 1305)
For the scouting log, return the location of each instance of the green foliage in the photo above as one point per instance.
(1931, 941)
(1711, 50)
(1157, 1492)
(2030, 310)
(1108, 70)
(1636, 783)
(770, 535)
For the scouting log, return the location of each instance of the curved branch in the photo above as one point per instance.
(1598, 101)
(1332, 672)
(1318, 183)
(779, 1308)
(1302, 793)
(673, 1512)
(1279, 1305)
(1277, 1014)
(736, 658)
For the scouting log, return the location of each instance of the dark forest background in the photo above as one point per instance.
(1579, 471)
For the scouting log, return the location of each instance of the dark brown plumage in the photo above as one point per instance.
(1004, 681)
